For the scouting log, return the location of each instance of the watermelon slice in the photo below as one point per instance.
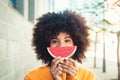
(64, 52)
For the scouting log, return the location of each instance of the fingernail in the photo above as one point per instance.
(59, 64)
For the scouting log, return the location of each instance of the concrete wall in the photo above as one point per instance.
(16, 54)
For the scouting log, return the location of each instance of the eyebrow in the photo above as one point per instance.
(64, 38)
(68, 37)
(54, 38)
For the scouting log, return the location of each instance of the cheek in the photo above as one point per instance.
(71, 44)
(53, 45)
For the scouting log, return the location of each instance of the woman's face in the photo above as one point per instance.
(62, 40)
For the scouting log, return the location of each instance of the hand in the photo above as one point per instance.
(55, 69)
(69, 66)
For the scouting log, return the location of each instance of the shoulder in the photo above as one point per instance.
(38, 72)
(87, 73)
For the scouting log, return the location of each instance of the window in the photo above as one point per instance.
(31, 11)
(18, 5)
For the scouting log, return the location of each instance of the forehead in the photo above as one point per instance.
(62, 34)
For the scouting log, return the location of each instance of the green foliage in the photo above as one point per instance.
(96, 8)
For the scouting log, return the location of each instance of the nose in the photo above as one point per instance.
(62, 44)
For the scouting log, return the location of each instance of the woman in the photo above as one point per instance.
(61, 29)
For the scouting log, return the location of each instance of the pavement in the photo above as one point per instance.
(111, 71)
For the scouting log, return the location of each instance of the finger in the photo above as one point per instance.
(56, 70)
(69, 69)
(68, 63)
(69, 72)
(55, 62)
(73, 62)
(59, 69)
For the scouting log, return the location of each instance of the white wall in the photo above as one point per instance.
(16, 54)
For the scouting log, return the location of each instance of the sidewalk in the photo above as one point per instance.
(111, 69)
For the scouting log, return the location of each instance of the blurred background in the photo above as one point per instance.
(17, 18)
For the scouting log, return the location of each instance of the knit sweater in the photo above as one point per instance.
(43, 73)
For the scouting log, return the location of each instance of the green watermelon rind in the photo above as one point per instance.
(75, 48)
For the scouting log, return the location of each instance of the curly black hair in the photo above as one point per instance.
(51, 24)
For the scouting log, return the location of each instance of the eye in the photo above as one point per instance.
(54, 42)
(69, 40)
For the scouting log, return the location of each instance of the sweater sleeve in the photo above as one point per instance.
(27, 78)
(73, 77)
(83, 74)
(85, 77)
(42, 73)
(92, 76)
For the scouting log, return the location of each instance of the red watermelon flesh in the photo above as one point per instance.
(64, 52)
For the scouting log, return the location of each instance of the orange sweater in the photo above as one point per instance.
(43, 73)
